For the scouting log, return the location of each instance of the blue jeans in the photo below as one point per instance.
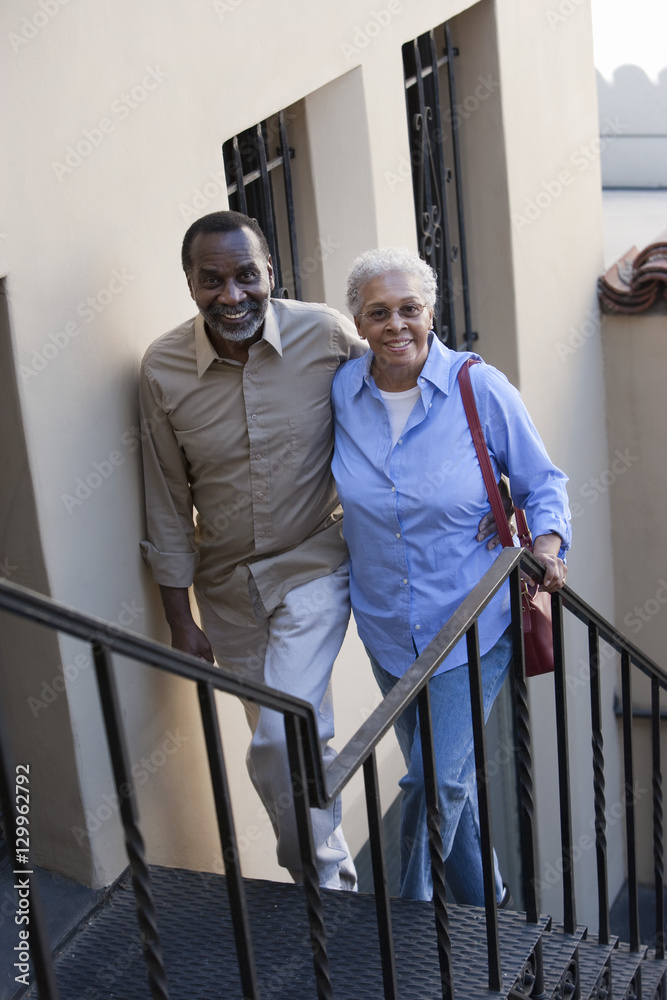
(455, 765)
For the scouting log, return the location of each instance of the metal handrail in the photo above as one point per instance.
(324, 784)
(45, 611)
(349, 759)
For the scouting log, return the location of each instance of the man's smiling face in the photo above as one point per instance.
(231, 281)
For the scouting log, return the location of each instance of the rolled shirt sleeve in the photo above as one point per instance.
(170, 548)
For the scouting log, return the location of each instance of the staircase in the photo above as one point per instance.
(205, 936)
(105, 960)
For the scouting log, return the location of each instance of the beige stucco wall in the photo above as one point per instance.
(109, 227)
(635, 352)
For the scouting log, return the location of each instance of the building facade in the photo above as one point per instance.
(115, 128)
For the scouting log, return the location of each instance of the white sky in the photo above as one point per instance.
(630, 32)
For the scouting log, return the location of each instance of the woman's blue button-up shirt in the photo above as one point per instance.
(411, 512)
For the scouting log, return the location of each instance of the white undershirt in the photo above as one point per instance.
(399, 407)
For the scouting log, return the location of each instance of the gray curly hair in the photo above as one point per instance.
(374, 263)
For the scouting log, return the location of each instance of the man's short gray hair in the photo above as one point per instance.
(375, 263)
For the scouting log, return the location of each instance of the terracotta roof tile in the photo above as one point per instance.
(636, 280)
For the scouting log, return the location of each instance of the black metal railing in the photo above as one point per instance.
(435, 159)
(316, 785)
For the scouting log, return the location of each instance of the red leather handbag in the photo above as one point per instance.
(535, 603)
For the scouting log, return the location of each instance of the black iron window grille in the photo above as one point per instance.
(259, 184)
(436, 178)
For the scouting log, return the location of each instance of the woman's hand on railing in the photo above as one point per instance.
(546, 548)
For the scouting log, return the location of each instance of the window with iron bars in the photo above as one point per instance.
(259, 184)
(430, 92)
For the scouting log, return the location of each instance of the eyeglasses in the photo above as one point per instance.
(411, 310)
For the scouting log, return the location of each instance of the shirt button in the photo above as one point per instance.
(253, 416)
(398, 534)
(261, 534)
(258, 456)
(260, 495)
(417, 627)
(400, 441)
(393, 489)
(405, 579)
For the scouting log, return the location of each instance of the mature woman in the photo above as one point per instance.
(413, 494)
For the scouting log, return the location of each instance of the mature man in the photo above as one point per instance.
(238, 401)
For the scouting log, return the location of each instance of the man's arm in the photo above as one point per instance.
(169, 549)
(185, 633)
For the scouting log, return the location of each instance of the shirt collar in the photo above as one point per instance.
(206, 353)
(436, 367)
(204, 349)
(271, 332)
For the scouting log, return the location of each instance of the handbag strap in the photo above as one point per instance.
(479, 441)
(522, 529)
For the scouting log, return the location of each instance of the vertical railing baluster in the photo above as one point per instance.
(228, 842)
(565, 798)
(482, 777)
(468, 335)
(435, 844)
(524, 774)
(318, 934)
(40, 950)
(134, 843)
(385, 934)
(598, 784)
(658, 847)
(628, 768)
(289, 203)
(524, 764)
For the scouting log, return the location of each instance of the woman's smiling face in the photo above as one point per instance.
(398, 339)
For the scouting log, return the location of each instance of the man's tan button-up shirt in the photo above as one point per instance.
(249, 447)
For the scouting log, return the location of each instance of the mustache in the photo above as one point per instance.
(230, 312)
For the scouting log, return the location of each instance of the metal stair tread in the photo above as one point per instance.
(624, 965)
(197, 944)
(593, 959)
(558, 950)
(468, 933)
(653, 973)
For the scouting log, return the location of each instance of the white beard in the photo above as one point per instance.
(237, 334)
